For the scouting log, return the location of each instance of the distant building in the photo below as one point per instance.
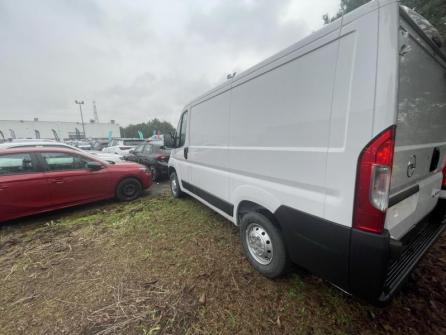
(53, 129)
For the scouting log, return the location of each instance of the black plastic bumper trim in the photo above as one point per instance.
(368, 265)
(221, 204)
(400, 268)
(316, 244)
(403, 195)
(369, 256)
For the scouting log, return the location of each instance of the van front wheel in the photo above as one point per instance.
(175, 186)
(263, 245)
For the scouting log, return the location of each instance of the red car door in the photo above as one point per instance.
(23, 188)
(71, 182)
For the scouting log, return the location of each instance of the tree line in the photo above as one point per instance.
(147, 128)
(433, 10)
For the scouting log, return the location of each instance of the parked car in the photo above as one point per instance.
(31, 144)
(106, 156)
(109, 157)
(123, 146)
(31, 140)
(330, 154)
(99, 144)
(83, 145)
(35, 180)
(155, 157)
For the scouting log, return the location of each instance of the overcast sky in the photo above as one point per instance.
(137, 59)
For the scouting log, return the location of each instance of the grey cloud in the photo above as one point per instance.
(150, 96)
(138, 59)
(247, 25)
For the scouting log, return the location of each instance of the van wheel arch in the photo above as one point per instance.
(246, 206)
(170, 169)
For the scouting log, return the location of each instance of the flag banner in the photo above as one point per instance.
(56, 137)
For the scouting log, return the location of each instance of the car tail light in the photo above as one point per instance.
(162, 158)
(373, 182)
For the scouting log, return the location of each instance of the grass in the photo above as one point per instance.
(164, 266)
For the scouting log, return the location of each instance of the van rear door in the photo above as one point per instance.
(420, 140)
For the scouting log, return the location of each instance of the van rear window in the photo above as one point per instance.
(422, 92)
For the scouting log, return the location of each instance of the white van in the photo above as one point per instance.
(328, 154)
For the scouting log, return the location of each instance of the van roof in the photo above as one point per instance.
(323, 31)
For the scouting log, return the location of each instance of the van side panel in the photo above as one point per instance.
(208, 153)
(352, 116)
(279, 126)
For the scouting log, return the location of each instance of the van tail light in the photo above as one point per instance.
(373, 182)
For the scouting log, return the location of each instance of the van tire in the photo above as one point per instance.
(128, 189)
(175, 185)
(269, 242)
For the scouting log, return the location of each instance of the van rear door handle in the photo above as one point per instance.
(3, 187)
(57, 181)
(186, 152)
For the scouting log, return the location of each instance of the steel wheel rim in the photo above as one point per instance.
(129, 190)
(173, 184)
(259, 243)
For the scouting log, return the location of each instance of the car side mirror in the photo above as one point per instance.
(94, 166)
(132, 152)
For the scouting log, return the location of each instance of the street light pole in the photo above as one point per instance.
(80, 103)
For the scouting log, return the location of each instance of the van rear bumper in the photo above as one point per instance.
(370, 266)
(379, 264)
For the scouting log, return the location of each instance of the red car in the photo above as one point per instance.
(36, 180)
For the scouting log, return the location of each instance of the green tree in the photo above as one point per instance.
(147, 128)
(345, 7)
(432, 10)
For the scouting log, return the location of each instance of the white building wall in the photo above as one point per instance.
(26, 129)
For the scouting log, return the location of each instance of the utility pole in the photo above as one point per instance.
(95, 112)
(80, 103)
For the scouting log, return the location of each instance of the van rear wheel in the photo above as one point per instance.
(175, 185)
(263, 245)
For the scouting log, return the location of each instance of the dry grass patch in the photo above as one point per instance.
(164, 266)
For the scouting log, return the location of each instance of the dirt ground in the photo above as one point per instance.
(164, 266)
